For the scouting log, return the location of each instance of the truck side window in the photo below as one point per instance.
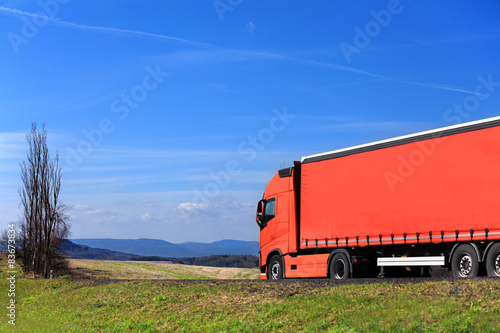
(269, 210)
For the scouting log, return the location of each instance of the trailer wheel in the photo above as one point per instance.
(275, 268)
(493, 261)
(339, 267)
(464, 262)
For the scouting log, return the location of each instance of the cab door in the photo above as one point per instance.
(268, 232)
(282, 223)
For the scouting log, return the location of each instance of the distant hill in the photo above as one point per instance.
(141, 247)
(224, 247)
(161, 248)
(77, 251)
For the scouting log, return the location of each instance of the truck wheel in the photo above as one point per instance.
(339, 267)
(493, 261)
(464, 262)
(275, 268)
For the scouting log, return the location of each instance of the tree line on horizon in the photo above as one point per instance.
(239, 261)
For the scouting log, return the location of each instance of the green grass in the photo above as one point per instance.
(63, 305)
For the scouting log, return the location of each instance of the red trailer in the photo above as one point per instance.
(416, 201)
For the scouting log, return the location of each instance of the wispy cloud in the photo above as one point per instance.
(368, 126)
(488, 35)
(12, 145)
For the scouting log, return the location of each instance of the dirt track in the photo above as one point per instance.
(308, 283)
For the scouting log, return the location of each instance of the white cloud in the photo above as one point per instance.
(250, 27)
(94, 211)
(221, 210)
(189, 206)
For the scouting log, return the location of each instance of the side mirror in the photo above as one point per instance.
(260, 209)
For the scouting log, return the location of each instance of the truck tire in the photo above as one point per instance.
(493, 261)
(464, 262)
(275, 268)
(339, 267)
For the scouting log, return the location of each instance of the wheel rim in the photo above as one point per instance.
(497, 264)
(339, 269)
(465, 265)
(275, 271)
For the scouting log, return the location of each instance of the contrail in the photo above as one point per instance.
(366, 73)
(101, 29)
(268, 55)
(437, 86)
(20, 12)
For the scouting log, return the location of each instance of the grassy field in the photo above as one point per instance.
(65, 305)
(105, 269)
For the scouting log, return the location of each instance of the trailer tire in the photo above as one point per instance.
(464, 262)
(275, 268)
(493, 261)
(339, 267)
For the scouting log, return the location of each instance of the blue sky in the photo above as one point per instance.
(170, 117)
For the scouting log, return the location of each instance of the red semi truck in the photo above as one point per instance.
(416, 201)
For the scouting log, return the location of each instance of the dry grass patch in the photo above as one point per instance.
(129, 270)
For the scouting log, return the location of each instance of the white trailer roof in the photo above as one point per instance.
(435, 133)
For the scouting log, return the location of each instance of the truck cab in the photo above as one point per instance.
(276, 217)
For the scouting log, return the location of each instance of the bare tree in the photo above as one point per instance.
(44, 222)
(4, 241)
